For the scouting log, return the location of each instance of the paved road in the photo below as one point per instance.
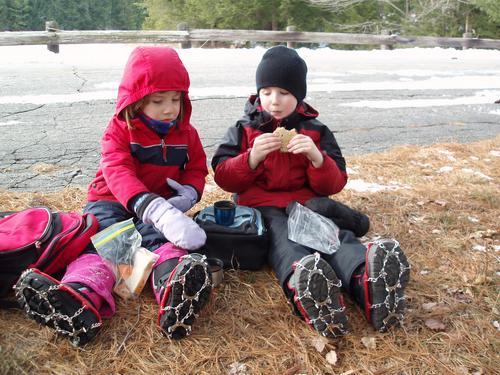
(53, 109)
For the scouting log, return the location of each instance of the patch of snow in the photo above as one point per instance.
(448, 154)
(61, 98)
(363, 186)
(11, 122)
(482, 97)
(445, 169)
(479, 248)
(476, 173)
(420, 164)
(351, 171)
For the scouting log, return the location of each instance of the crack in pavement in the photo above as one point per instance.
(84, 81)
(19, 112)
(72, 177)
(36, 142)
(16, 184)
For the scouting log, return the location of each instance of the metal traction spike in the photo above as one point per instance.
(307, 294)
(53, 315)
(186, 299)
(391, 290)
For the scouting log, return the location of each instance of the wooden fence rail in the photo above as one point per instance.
(54, 37)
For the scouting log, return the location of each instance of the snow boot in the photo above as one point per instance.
(57, 306)
(183, 286)
(317, 296)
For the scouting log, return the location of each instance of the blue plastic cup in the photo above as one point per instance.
(224, 212)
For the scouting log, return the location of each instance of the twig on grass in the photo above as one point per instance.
(129, 331)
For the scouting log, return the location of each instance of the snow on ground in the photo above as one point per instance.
(329, 70)
(370, 187)
(481, 97)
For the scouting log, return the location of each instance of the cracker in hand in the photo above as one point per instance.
(285, 137)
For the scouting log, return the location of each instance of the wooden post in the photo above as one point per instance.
(291, 29)
(183, 26)
(468, 40)
(385, 46)
(52, 27)
(467, 35)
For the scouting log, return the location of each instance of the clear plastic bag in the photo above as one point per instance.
(310, 229)
(119, 246)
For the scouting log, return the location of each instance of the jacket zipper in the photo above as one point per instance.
(164, 150)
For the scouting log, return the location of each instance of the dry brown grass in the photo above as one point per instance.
(438, 220)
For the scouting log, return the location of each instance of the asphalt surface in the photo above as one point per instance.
(52, 145)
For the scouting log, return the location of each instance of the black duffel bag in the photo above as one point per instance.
(242, 245)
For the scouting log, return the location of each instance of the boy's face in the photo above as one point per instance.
(277, 101)
(163, 106)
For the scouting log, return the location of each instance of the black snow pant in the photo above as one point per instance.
(283, 252)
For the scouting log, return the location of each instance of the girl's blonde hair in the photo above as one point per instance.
(131, 111)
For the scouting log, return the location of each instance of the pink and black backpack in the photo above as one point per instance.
(40, 238)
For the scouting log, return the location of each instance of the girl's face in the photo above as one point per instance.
(163, 106)
(279, 102)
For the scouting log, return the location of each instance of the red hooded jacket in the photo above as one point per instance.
(282, 177)
(137, 160)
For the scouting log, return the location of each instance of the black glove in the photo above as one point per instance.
(342, 215)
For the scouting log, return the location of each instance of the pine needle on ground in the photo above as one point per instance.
(441, 202)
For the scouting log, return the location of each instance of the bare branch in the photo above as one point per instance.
(335, 5)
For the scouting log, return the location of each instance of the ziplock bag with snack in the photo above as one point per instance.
(310, 229)
(120, 247)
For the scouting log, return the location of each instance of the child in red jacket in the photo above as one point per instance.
(250, 164)
(153, 169)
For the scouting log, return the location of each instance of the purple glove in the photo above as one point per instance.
(186, 195)
(178, 228)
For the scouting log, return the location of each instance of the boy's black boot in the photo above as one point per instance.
(342, 215)
(379, 286)
(184, 285)
(315, 295)
(59, 306)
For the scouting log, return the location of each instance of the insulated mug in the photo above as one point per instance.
(216, 265)
(224, 212)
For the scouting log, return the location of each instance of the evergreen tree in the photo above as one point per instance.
(126, 15)
(72, 14)
(406, 17)
(234, 14)
(4, 16)
(490, 7)
(11, 17)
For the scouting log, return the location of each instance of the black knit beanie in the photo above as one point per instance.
(282, 67)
